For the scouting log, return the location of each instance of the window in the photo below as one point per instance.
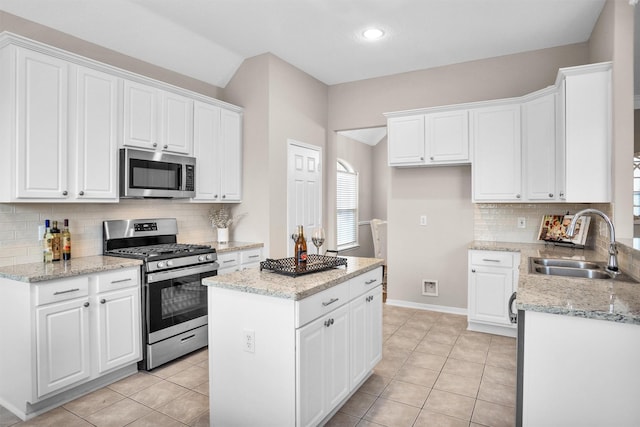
(347, 206)
(636, 185)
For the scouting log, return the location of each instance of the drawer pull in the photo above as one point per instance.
(368, 282)
(67, 291)
(490, 260)
(229, 260)
(254, 256)
(128, 279)
(187, 338)
(331, 301)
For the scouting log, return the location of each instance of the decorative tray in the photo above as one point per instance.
(315, 263)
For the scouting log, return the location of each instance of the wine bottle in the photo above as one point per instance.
(47, 241)
(300, 249)
(66, 241)
(56, 242)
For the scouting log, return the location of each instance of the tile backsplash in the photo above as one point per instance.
(19, 240)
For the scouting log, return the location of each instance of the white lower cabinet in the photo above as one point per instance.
(322, 365)
(307, 357)
(493, 278)
(239, 260)
(70, 331)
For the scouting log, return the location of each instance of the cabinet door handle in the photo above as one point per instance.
(215, 196)
(517, 196)
(432, 158)
(490, 260)
(86, 304)
(368, 282)
(65, 192)
(473, 270)
(102, 301)
(550, 194)
(164, 147)
(224, 196)
(513, 317)
(67, 291)
(81, 193)
(155, 144)
(331, 301)
(128, 279)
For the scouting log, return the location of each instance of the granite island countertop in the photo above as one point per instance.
(252, 280)
(40, 272)
(605, 299)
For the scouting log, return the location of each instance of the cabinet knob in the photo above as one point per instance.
(164, 147)
(550, 194)
(517, 196)
(561, 194)
(431, 158)
(215, 196)
(473, 270)
(102, 301)
(65, 192)
(155, 144)
(421, 158)
(81, 193)
(86, 304)
(224, 196)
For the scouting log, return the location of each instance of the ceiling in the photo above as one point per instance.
(209, 39)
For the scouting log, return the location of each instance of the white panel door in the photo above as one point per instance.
(304, 191)
(140, 115)
(177, 123)
(310, 372)
(539, 145)
(42, 134)
(406, 140)
(96, 135)
(448, 136)
(230, 156)
(206, 149)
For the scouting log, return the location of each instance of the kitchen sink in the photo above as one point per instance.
(572, 263)
(574, 268)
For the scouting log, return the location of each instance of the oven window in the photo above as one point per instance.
(182, 299)
(155, 175)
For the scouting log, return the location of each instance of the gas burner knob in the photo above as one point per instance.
(169, 263)
(161, 264)
(201, 258)
(209, 257)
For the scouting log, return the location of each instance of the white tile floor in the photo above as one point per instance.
(433, 373)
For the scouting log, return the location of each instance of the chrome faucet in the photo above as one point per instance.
(613, 250)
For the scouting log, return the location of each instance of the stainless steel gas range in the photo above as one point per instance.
(174, 303)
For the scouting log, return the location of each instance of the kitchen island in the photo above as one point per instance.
(289, 351)
(578, 341)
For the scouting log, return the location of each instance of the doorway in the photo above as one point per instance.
(304, 190)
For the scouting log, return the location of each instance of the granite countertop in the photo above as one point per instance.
(39, 271)
(232, 246)
(252, 280)
(614, 300)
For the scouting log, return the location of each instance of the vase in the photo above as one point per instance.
(223, 235)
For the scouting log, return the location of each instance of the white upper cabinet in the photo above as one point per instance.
(96, 133)
(429, 139)
(585, 133)
(218, 150)
(495, 135)
(540, 156)
(156, 119)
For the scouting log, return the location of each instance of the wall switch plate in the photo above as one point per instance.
(423, 220)
(249, 340)
(522, 222)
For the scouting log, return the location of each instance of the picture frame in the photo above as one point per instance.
(553, 229)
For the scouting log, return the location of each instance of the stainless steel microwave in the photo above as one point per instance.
(156, 175)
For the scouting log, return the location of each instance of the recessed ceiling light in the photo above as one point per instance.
(373, 34)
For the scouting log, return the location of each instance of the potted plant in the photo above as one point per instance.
(221, 218)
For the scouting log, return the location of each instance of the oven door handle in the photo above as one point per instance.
(181, 272)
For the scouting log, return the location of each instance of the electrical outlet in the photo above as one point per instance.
(423, 220)
(249, 337)
(522, 222)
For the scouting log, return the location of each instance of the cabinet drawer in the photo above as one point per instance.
(228, 259)
(492, 258)
(251, 256)
(117, 279)
(321, 303)
(61, 290)
(365, 282)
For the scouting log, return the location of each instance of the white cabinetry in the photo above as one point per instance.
(430, 139)
(238, 260)
(333, 339)
(585, 133)
(495, 135)
(322, 365)
(493, 278)
(66, 333)
(64, 132)
(539, 152)
(157, 119)
(218, 150)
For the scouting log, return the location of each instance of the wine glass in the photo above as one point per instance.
(318, 238)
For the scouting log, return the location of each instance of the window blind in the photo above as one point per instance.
(347, 209)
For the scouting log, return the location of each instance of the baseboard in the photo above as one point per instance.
(432, 307)
(507, 331)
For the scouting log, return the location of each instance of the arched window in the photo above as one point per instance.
(347, 205)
